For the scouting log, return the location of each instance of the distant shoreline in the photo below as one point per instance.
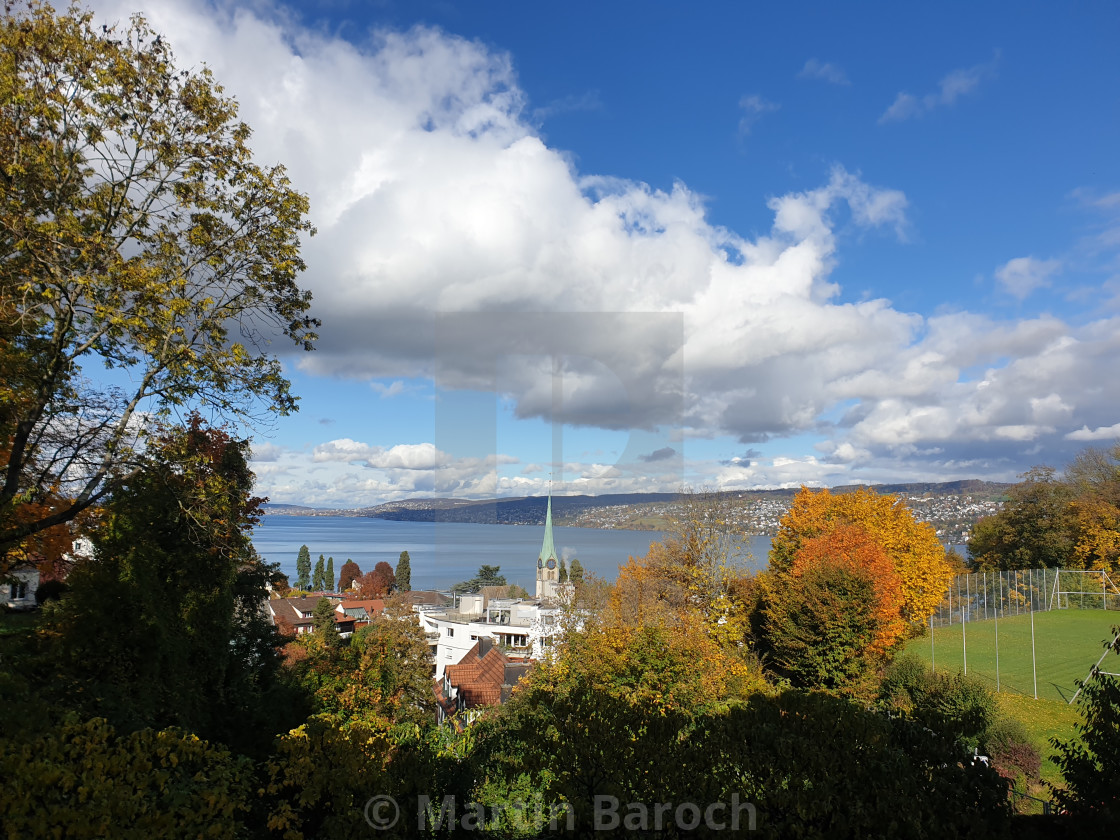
(951, 507)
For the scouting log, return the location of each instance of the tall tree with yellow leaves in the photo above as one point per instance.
(137, 233)
(913, 547)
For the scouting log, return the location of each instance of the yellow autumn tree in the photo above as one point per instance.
(918, 556)
(1097, 534)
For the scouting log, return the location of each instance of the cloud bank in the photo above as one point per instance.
(435, 197)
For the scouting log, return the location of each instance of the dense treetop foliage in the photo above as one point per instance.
(918, 557)
(1070, 521)
(136, 232)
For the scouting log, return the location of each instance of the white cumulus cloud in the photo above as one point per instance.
(1023, 275)
(454, 243)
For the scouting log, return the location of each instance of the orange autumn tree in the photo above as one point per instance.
(851, 548)
(701, 569)
(913, 547)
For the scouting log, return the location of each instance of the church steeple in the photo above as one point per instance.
(547, 559)
(548, 549)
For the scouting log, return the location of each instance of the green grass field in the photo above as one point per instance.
(1067, 644)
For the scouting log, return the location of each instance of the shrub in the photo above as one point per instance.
(51, 590)
(1011, 751)
(82, 780)
(955, 706)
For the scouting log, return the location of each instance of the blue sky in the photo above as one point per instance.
(724, 244)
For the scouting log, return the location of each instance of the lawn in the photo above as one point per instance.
(1067, 644)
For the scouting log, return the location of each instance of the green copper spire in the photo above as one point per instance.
(548, 550)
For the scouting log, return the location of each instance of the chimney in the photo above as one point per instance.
(484, 645)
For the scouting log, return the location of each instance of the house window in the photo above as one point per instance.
(450, 631)
(19, 590)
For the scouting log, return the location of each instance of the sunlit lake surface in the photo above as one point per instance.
(444, 552)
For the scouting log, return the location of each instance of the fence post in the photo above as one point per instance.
(964, 642)
(997, 653)
(1034, 660)
(932, 647)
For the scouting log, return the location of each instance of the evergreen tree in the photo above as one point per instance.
(330, 575)
(404, 573)
(487, 576)
(576, 573)
(319, 577)
(562, 576)
(303, 568)
(323, 622)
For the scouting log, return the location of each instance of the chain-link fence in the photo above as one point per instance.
(1026, 631)
(985, 595)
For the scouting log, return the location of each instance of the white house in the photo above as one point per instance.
(17, 592)
(517, 627)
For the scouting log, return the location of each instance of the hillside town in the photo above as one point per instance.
(951, 514)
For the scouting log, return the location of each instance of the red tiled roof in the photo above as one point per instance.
(479, 679)
(372, 607)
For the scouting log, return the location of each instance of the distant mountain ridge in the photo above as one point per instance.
(530, 510)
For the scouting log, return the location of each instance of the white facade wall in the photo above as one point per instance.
(18, 593)
(454, 637)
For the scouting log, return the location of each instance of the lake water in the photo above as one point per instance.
(443, 553)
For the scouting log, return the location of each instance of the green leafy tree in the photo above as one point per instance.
(330, 575)
(351, 571)
(303, 568)
(589, 728)
(1091, 764)
(957, 707)
(562, 574)
(404, 573)
(136, 232)
(319, 576)
(820, 626)
(575, 574)
(83, 779)
(164, 626)
(1033, 529)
